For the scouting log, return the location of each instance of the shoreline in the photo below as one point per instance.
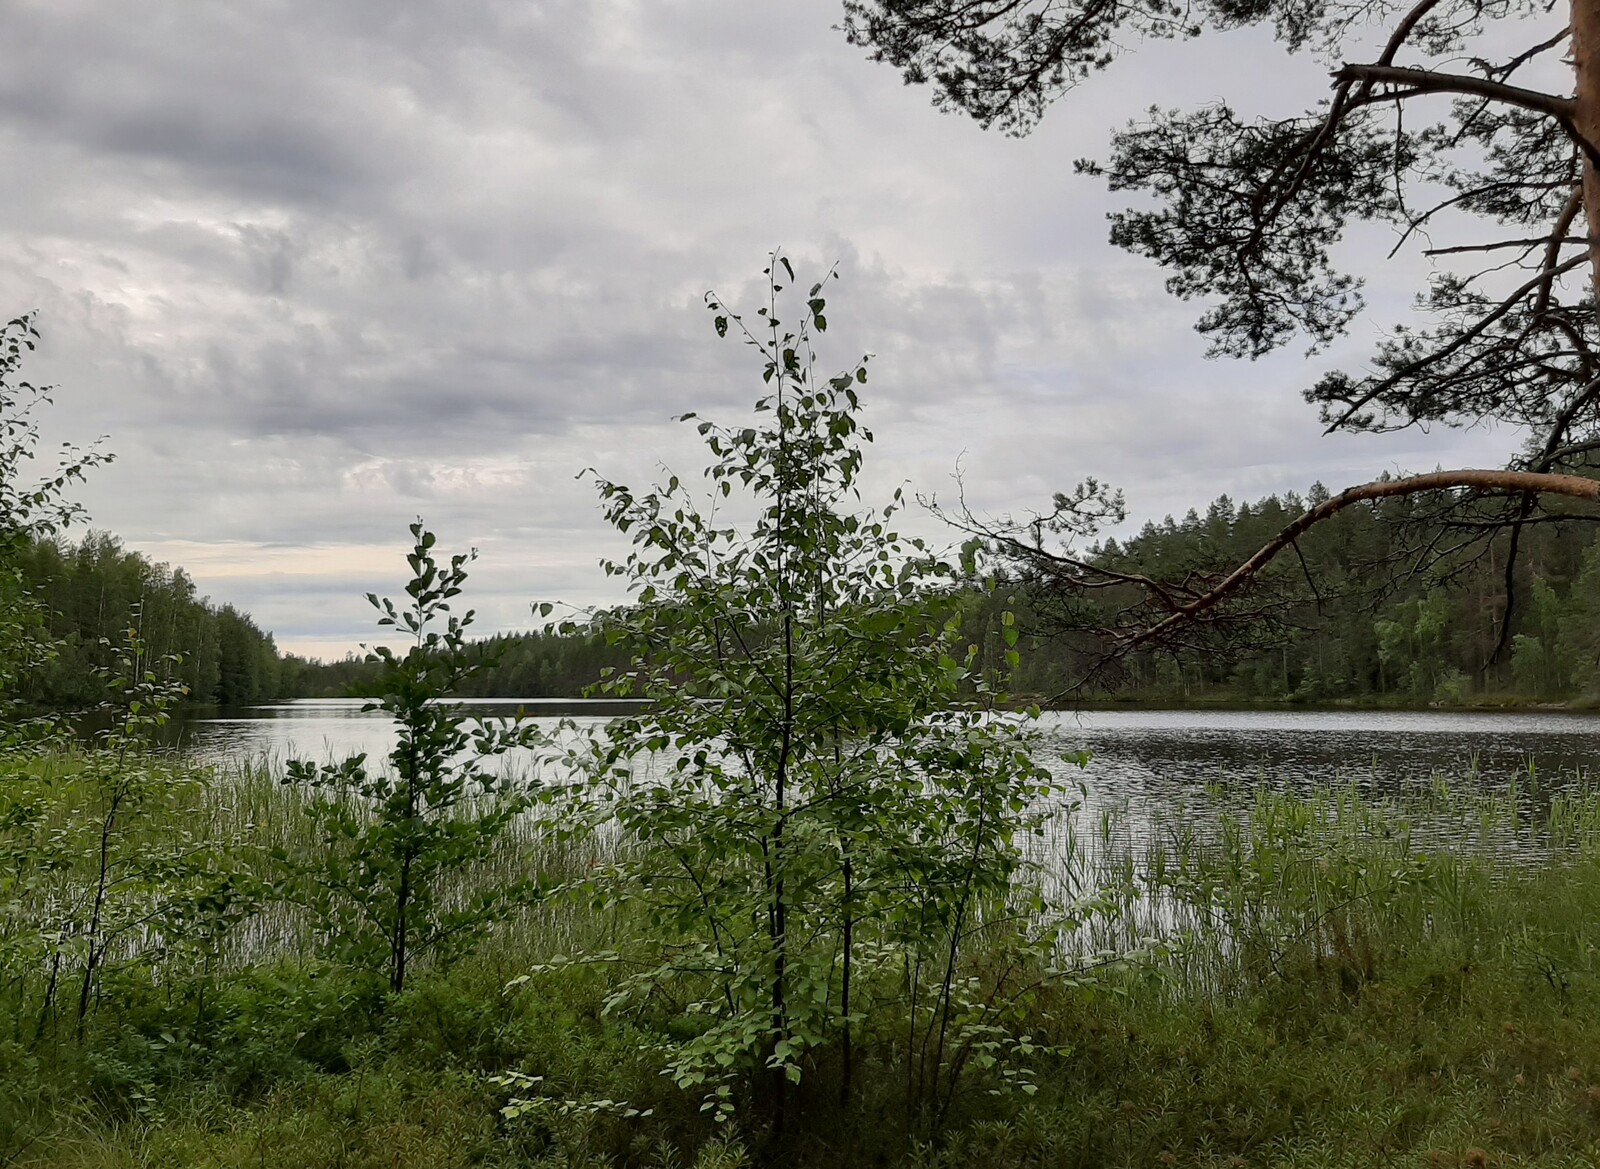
(1489, 703)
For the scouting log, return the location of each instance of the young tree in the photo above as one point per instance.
(394, 837)
(833, 818)
(31, 506)
(89, 889)
(1431, 132)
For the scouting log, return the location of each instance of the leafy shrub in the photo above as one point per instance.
(831, 826)
(391, 838)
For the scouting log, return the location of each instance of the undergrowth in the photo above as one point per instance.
(1322, 980)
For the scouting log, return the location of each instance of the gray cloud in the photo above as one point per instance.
(318, 268)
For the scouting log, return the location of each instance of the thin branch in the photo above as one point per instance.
(1418, 81)
(1563, 241)
(1501, 72)
(1531, 521)
(1403, 30)
(1577, 448)
(1553, 249)
(1524, 509)
(1559, 425)
(1416, 223)
(1460, 342)
(1305, 568)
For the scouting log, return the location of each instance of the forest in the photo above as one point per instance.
(1356, 620)
(1358, 616)
(90, 592)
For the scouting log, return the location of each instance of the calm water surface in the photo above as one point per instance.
(1299, 749)
(1133, 751)
(324, 729)
(1149, 769)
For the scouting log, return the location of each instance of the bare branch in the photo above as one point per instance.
(1553, 451)
(1404, 29)
(1501, 72)
(1577, 448)
(1552, 250)
(1524, 509)
(1552, 241)
(1427, 81)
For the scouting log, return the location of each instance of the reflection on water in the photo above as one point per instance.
(1148, 769)
(1149, 754)
(1155, 774)
(326, 729)
(1384, 750)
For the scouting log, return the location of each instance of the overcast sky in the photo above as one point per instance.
(318, 268)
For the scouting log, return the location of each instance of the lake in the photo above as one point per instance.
(1149, 751)
(1149, 770)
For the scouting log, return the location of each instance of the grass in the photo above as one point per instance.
(1257, 979)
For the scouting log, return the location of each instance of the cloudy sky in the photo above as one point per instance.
(318, 268)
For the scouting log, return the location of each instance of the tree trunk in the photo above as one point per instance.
(1586, 119)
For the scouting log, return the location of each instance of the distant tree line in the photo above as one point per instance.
(1402, 600)
(513, 665)
(87, 596)
(1399, 602)
(1394, 602)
